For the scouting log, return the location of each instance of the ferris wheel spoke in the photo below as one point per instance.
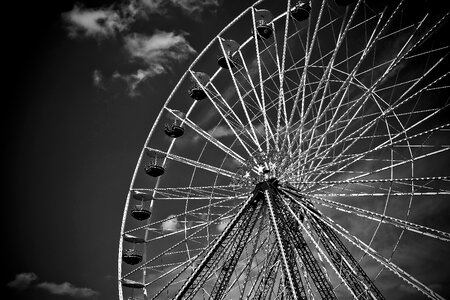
(362, 100)
(197, 191)
(248, 77)
(200, 212)
(225, 112)
(327, 112)
(420, 229)
(395, 184)
(309, 43)
(348, 79)
(261, 81)
(294, 215)
(345, 26)
(194, 163)
(428, 52)
(343, 86)
(192, 284)
(281, 67)
(388, 144)
(208, 137)
(325, 80)
(392, 141)
(180, 198)
(392, 166)
(254, 136)
(378, 257)
(185, 264)
(192, 235)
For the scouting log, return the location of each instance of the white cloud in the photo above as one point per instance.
(107, 21)
(171, 224)
(158, 52)
(22, 281)
(67, 289)
(159, 49)
(223, 224)
(96, 23)
(190, 7)
(97, 78)
(221, 131)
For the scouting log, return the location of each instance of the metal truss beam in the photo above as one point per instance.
(298, 244)
(241, 238)
(352, 272)
(215, 253)
(294, 284)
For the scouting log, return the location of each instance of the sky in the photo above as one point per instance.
(84, 81)
(75, 119)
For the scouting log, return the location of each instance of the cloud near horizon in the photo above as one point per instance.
(67, 289)
(24, 281)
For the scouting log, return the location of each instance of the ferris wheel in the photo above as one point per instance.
(306, 160)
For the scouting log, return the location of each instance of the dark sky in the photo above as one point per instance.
(70, 146)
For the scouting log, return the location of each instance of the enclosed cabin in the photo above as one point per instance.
(131, 255)
(262, 19)
(138, 211)
(173, 128)
(199, 80)
(226, 58)
(343, 2)
(154, 168)
(301, 10)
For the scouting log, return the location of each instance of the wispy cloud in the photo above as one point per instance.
(96, 23)
(158, 52)
(221, 131)
(105, 22)
(97, 78)
(159, 49)
(22, 281)
(190, 7)
(171, 224)
(67, 289)
(223, 224)
(25, 281)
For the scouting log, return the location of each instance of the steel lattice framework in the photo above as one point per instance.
(306, 161)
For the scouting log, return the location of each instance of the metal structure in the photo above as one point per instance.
(306, 157)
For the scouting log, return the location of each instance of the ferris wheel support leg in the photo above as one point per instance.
(293, 286)
(349, 269)
(355, 275)
(238, 245)
(268, 282)
(191, 285)
(299, 245)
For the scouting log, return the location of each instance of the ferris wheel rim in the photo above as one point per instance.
(222, 171)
